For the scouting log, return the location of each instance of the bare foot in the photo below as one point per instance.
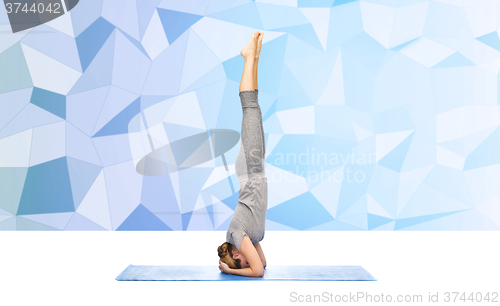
(250, 49)
(259, 45)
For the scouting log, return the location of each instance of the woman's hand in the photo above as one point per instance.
(224, 268)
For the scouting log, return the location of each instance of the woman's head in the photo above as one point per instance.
(229, 254)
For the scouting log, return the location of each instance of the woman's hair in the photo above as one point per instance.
(225, 251)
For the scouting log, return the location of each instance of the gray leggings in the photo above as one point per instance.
(250, 160)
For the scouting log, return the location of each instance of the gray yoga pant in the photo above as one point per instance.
(251, 157)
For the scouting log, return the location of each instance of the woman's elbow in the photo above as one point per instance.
(259, 273)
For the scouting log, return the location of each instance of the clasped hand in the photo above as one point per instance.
(223, 267)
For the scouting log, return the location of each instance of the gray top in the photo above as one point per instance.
(250, 213)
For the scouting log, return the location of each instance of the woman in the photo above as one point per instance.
(242, 254)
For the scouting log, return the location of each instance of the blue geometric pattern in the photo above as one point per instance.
(378, 115)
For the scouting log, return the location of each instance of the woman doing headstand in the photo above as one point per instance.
(242, 254)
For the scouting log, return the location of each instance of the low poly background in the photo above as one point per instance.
(378, 114)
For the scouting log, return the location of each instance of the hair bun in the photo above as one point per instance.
(225, 252)
(222, 250)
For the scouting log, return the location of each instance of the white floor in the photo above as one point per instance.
(79, 268)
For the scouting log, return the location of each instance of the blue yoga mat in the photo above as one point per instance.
(272, 273)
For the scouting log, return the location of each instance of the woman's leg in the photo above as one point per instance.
(250, 158)
(261, 126)
(248, 53)
(256, 64)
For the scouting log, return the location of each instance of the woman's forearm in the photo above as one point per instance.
(258, 247)
(246, 272)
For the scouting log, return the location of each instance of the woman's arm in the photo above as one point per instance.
(245, 272)
(261, 253)
(256, 267)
